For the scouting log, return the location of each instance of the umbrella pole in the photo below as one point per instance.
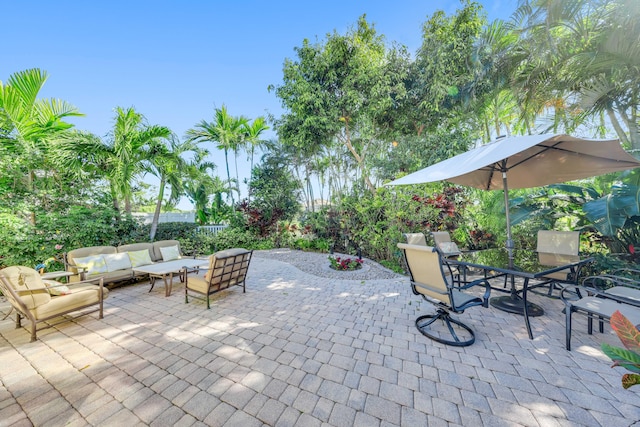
(513, 303)
(509, 244)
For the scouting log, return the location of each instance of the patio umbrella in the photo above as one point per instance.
(525, 162)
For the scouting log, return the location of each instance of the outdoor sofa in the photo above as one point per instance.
(115, 264)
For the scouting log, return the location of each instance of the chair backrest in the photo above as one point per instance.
(558, 242)
(228, 267)
(416, 239)
(24, 288)
(440, 236)
(444, 243)
(426, 271)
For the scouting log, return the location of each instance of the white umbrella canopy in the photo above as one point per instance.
(529, 161)
(526, 162)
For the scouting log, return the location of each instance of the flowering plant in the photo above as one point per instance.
(338, 263)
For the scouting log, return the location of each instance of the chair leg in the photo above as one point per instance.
(568, 312)
(453, 326)
(601, 324)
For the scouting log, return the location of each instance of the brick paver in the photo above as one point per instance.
(302, 350)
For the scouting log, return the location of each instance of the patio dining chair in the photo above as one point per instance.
(443, 242)
(617, 284)
(429, 279)
(596, 304)
(551, 244)
(415, 238)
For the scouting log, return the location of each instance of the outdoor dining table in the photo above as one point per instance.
(523, 264)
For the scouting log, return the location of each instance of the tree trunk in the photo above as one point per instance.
(226, 161)
(616, 125)
(235, 161)
(156, 213)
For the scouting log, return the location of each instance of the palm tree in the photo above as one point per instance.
(164, 160)
(30, 124)
(252, 134)
(200, 184)
(130, 136)
(120, 159)
(586, 53)
(225, 130)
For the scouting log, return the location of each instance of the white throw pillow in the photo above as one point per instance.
(170, 253)
(139, 258)
(56, 288)
(93, 265)
(117, 262)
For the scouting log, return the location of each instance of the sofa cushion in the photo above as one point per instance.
(139, 258)
(135, 247)
(119, 261)
(170, 253)
(157, 253)
(93, 265)
(89, 251)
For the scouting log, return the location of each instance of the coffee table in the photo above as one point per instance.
(166, 270)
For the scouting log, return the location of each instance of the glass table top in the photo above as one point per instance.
(525, 263)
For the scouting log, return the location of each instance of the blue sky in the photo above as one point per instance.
(175, 61)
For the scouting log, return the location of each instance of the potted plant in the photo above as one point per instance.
(628, 357)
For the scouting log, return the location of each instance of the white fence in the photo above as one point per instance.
(167, 217)
(210, 230)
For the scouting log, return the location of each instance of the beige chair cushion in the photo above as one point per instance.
(28, 285)
(79, 296)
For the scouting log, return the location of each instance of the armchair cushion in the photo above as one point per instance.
(28, 286)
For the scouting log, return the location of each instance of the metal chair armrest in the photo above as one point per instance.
(479, 282)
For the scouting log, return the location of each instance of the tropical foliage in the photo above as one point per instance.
(358, 111)
(628, 357)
